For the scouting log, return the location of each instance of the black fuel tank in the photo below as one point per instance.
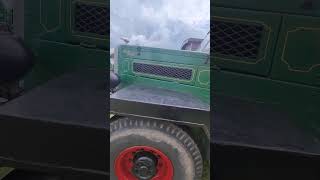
(15, 59)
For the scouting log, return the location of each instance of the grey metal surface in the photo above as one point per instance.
(60, 126)
(161, 104)
(76, 98)
(258, 125)
(160, 96)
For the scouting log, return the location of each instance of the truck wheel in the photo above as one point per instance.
(152, 150)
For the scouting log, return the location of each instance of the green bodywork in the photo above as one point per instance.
(198, 85)
(5, 15)
(285, 71)
(50, 31)
(198, 62)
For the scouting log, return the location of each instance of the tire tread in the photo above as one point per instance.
(168, 128)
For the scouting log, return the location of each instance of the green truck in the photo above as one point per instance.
(265, 58)
(160, 102)
(52, 89)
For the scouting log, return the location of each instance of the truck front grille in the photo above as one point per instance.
(91, 18)
(165, 71)
(236, 39)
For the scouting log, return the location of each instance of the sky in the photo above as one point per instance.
(158, 23)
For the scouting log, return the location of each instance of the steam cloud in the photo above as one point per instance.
(158, 23)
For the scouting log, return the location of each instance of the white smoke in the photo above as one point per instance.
(158, 23)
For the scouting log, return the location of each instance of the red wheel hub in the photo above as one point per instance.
(143, 162)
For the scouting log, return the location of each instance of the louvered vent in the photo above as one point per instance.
(165, 71)
(91, 18)
(236, 40)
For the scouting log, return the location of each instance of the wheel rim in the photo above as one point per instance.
(143, 163)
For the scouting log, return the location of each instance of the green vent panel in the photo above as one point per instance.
(297, 57)
(237, 39)
(165, 71)
(90, 19)
(243, 41)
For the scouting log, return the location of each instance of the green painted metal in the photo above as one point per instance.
(269, 21)
(59, 47)
(2, 13)
(6, 15)
(199, 63)
(286, 6)
(297, 58)
(289, 77)
(54, 59)
(198, 85)
(49, 31)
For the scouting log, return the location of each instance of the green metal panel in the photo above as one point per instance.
(54, 59)
(164, 55)
(289, 79)
(49, 34)
(203, 77)
(244, 40)
(297, 57)
(55, 20)
(198, 63)
(45, 19)
(303, 102)
(2, 13)
(87, 38)
(6, 16)
(285, 6)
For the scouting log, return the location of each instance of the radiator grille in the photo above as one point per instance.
(237, 40)
(159, 70)
(90, 19)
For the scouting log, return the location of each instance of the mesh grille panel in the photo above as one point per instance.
(172, 72)
(91, 19)
(236, 39)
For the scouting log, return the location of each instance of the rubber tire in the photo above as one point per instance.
(166, 137)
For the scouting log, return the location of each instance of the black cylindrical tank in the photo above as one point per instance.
(15, 59)
(114, 80)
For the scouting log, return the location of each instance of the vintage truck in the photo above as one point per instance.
(53, 57)
(266, 95)
(160, 102)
